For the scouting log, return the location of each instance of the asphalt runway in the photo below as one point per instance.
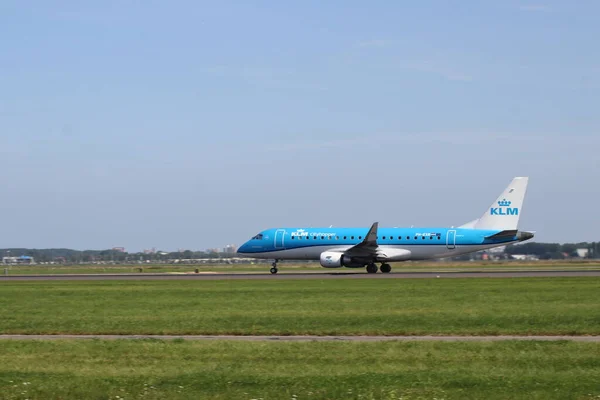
(305, 275)
(309, 338)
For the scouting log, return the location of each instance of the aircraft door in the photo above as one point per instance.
(451, 239)
(279, 238)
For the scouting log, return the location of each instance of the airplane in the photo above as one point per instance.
(365, 247)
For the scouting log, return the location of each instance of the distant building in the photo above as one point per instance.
(230, 249)
(582, 253)
(496, 250)
(18, 260)
(524, 257)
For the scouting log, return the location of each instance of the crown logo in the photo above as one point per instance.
(504, 203)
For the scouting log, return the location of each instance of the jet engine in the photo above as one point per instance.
(334, 259)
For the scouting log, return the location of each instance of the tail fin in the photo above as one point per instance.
(504, 213)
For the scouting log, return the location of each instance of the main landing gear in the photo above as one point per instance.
(274, 269)
(372, 268)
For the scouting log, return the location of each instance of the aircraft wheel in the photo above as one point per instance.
(372, 268)
(273, 270)
(385, 268)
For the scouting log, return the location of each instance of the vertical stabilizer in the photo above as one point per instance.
(504, 213)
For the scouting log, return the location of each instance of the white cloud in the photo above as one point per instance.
(458, 138)
(270, 78)
(373, 43)
(534, 8)
(442, 70)
(314, 145)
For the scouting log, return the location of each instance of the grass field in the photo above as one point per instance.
(340, 306)
(151, 369)
(293, 267)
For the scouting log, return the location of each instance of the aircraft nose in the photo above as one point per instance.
(243, 248)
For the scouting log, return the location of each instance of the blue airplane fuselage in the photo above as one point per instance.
(423, 243)
(358, 247)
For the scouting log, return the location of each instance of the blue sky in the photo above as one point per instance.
(194, 124)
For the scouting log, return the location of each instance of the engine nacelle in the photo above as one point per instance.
(334, 259)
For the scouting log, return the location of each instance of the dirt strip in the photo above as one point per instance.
(308, 338)
(315, 275)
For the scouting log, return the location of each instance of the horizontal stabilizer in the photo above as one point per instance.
(503, 234)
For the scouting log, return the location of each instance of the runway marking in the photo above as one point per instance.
(309, 338)
(314, 275)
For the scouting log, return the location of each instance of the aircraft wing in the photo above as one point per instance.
(369, 251)
(368, 247)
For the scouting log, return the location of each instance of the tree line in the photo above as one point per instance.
(552, 251)
(544, 251)
(88, 256)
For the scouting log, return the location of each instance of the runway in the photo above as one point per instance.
(308, 338)
(306, 275)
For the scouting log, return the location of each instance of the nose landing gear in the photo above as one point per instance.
(274, 269)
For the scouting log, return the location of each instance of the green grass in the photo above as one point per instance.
(342, 306)
(151, 369)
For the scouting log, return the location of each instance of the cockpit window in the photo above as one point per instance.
(258, 237)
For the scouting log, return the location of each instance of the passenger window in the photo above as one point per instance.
(351, 237)
(337, 238)
(407, 237)
(292, 237)
(384, 238)
(423, 237)
(322, 237)
(360, 237)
